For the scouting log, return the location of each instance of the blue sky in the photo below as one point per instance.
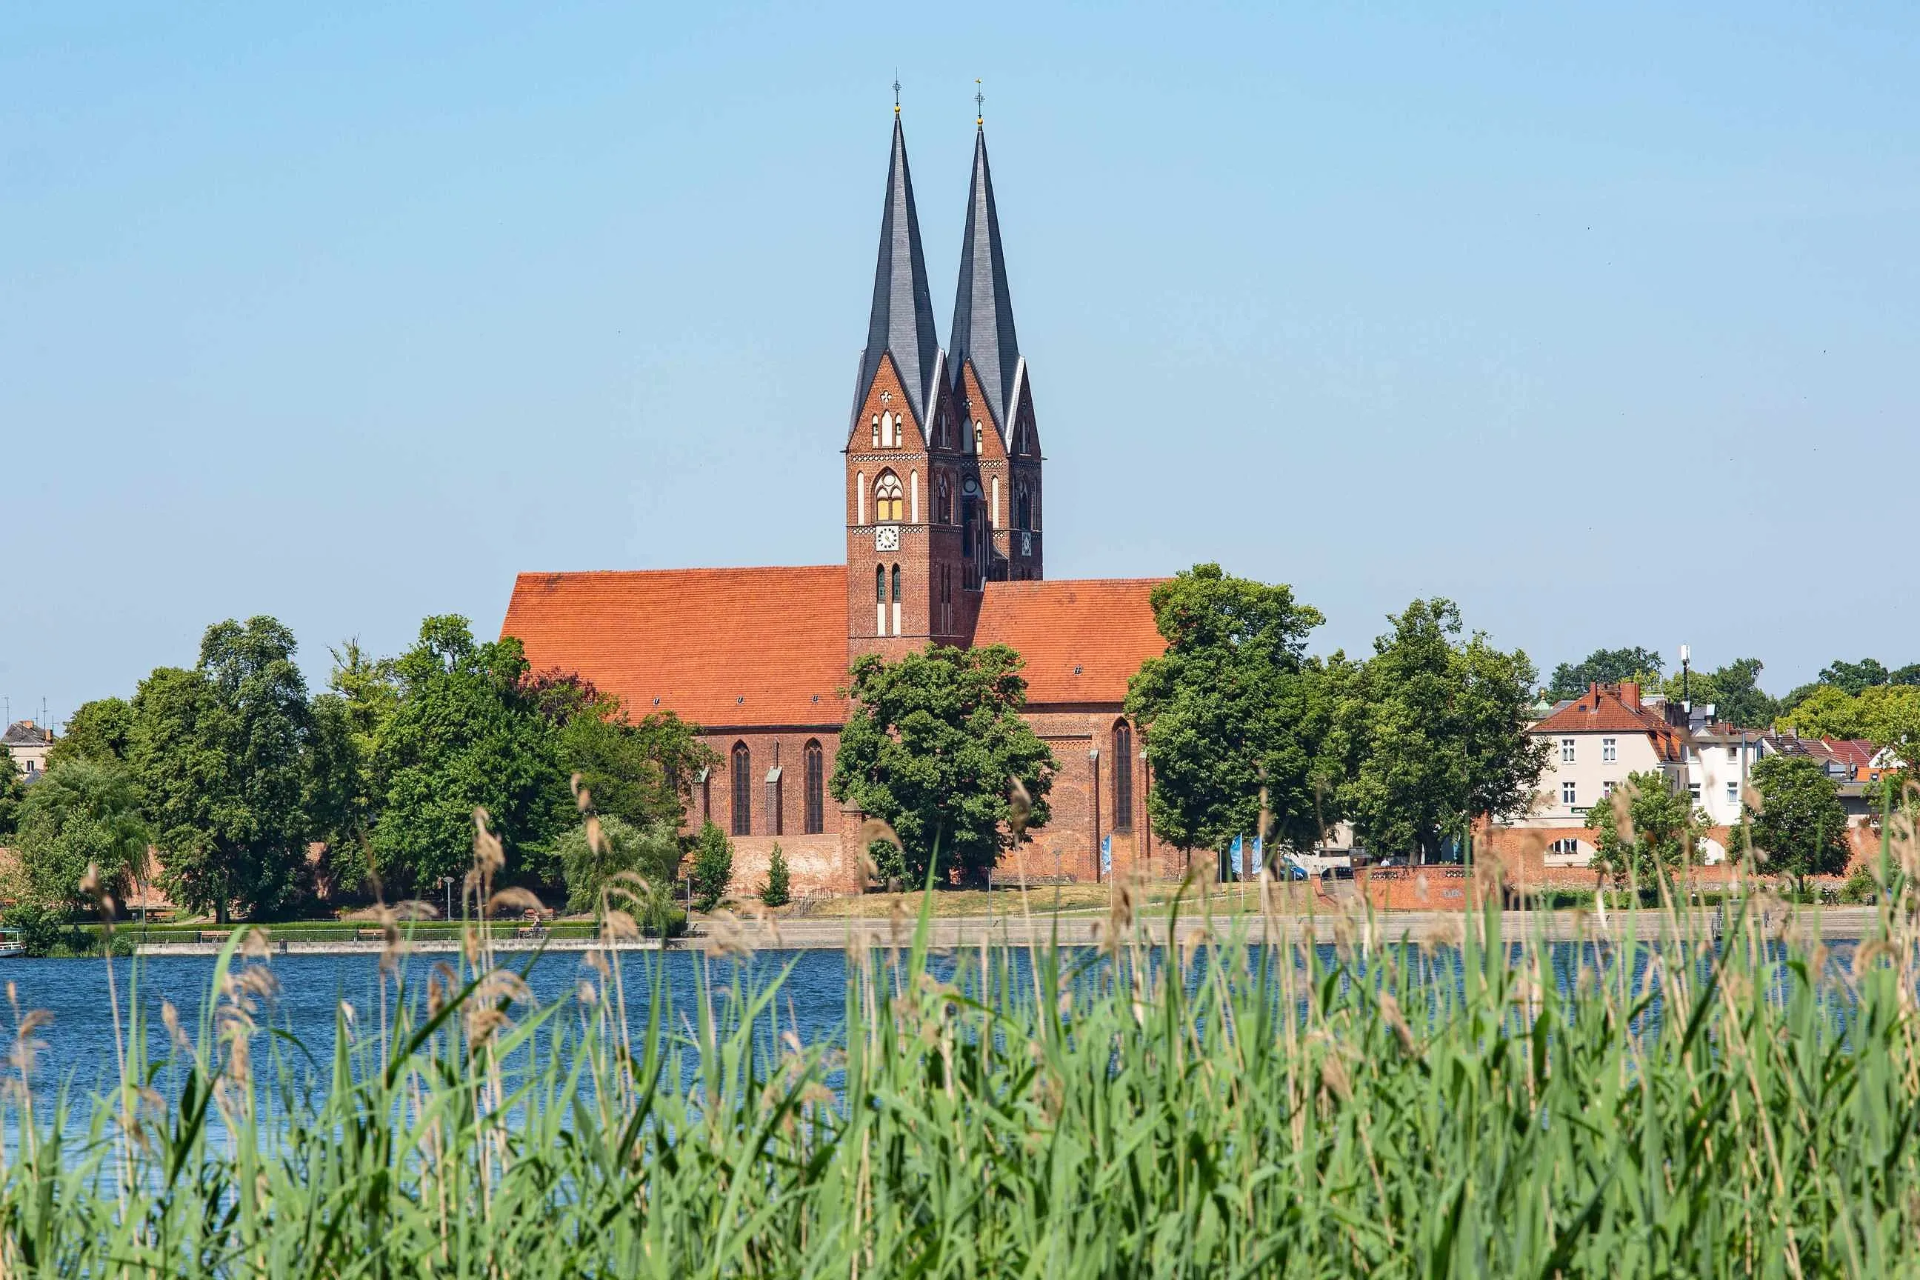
(1600, 319)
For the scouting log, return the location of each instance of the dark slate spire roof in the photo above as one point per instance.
(902, 316)
(982, 306)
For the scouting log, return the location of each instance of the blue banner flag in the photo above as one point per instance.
(1259, 863)
(1233, 855)
(1106, 855)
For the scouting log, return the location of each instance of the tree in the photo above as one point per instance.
(930, 746)
(345, 792)
(1733, 691)
(98, 730)
(652, 853)
(1851, 677)
(1233, 700)
(1435, 733)
(640, 771)
(221, 755)
(1661, 831)
(466, 734)
(82, 814)
(712, 867)
(1888, 715)
(1603, 666)
(1800, 823)
(13, 791)
(779, 888)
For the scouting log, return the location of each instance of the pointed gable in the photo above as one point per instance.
(983, 305)
(901, 321)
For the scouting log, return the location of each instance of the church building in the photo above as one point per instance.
(945, 517)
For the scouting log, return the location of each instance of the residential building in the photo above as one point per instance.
(28, 744)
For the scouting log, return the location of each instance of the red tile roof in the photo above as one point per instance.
(721, 647)
(1601, 709)
(1081, 639)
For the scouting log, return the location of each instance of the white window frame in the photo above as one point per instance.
(1566, 750)
(1609, 750)
(1569, 795)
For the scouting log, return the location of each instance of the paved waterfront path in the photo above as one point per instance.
(1833, 924)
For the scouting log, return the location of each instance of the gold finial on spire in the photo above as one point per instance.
(979, 105)
(896, 91)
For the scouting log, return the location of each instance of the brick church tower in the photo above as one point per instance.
(942, 458)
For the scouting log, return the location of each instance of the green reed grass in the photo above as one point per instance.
(1334, 1103)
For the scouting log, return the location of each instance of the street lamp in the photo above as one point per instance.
(446, 882)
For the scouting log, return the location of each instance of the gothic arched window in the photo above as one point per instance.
(816, 781)
(742, 790)
(943, 505)
(880, 599)
(887, 499)
(1122, 777)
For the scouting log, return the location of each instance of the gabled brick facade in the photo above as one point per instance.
(943, 511)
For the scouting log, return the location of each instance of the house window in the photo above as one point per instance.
(1567, 794)
(742, 790)
(1609, 750)
(1566, 844)
(816, 783)
(887, 502)
(1733, 793)
(1606, 790)
(1693, 789)
(1733, 753)
(1566, 751)
(1122, 777)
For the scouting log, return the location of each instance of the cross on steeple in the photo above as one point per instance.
(979, 105)
(896, 93)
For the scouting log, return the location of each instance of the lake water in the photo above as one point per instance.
(80, 1045)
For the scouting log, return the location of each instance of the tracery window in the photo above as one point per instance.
(816, 782)
(888, 499)
(1122, 777)
(742, 790)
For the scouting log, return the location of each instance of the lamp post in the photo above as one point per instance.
(446, 883)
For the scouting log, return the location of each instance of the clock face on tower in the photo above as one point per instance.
(886, 537)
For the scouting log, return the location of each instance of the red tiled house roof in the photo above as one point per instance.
(720, 647)
(1082, 639)
(1610, 708)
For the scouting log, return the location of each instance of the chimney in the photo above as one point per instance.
(1630, 693)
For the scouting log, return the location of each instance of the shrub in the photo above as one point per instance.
(778, 890)
(42, 929)
(652, 853)
(712, 867)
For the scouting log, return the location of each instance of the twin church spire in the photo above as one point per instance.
(901, 321)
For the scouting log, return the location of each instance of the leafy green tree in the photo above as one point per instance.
(1734, 690)
(779, 887)
(930, 745)
(221, 754)
(13, 791)
(1662, 831)
(345, 792)
(97, 730)
(1851, 677)
(1801, 823)
(640, 771)
(1232, 702)
(652, 853)
(712, 867)
(466, 734)
(1603, 666)
(1435, 733)
(81, 814)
